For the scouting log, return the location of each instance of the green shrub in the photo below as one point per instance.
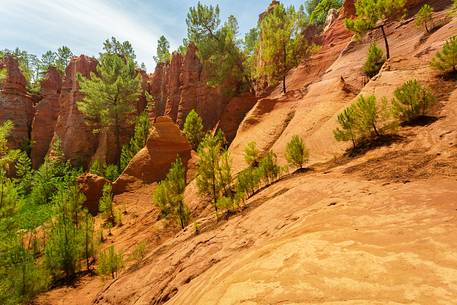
(106, 206)
(296, 152)
(226, 204)
(110, 262)
(374, 61)
(169, 195)
(251, 154)
(193, 129)
(446, 59)
(137, 142)
(247, 183)
(364, 119)
(412, 100)
(424, 16)
(268, 168)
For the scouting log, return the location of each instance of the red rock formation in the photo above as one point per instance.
(15, 104)
(152, 163)
(181, 86)
(78, 141)
(234, 114)
(92, 187)
(46, 113)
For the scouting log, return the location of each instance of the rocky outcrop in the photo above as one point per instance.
(234, 114)
(78, 141)
(92, 187)
(15, 104)
(181, 85)
(46, 113)
(152, 163)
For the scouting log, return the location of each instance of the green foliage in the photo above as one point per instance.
(3, 75)
(214, 171)
(21, 277)
(369, 12)
(319, 13)
(247, 182)
(424, 16)
(24, 173)
(364, 119)
(348, 129)
(112, 172)
(193, 129)
(446, 59)
(110, 95)
(251, 154)
(10, 200)
(105, 205)
(169, 195)
(374, 61)
(412, 100)
(7, 156)
(122, 49)
(66, 244)
(217, 45)
(163, 51)
(282, 44)
(296, 152)
(110, 262)
(268, 168)
(226, 204)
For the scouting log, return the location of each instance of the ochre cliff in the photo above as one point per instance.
(15, 104)
(181, 85)
(46, 113)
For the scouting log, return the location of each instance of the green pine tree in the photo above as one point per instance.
(163, 51)
(110, 95)
(370, 12)
(296, 152)
(412, 100)
(110, 262)
(282, 45)
(446, 59)
(374, 61)
(424, 16)
(193, 129)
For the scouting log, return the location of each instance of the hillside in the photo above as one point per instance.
(375, 226)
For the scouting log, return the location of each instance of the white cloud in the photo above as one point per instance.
(82, 25)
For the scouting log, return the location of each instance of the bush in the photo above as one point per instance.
(412, 100)
(251, 154)
(137, 142)
(446, 59)
(169, 195)
(296, 152)
(193, 129)
(139, 252)
(268, 168)
(364, 119)
(247, 182)
(110, 262)
(105, 206)
(424, 16)
(374, 61)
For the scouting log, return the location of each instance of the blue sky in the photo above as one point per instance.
(83, 25)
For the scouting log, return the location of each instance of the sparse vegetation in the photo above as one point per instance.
(412, 100)
(169, 195)
(137, 142)
(282, 44)
(370, 12)
(424, 17)
(296, 152)
(110, 262)
(193, 129)
(163, 51)
(364, 119)
(374, 61)
(446, 59)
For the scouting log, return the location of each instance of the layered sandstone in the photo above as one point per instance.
(78, 141)
(165, 143)
(181, 85)
(15, 104)
(46, 113)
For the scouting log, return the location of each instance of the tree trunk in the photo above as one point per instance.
(386, 42)
(426, 27)
(375, 130)
(284, 52)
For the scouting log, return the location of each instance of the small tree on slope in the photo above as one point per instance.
(372, 12)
